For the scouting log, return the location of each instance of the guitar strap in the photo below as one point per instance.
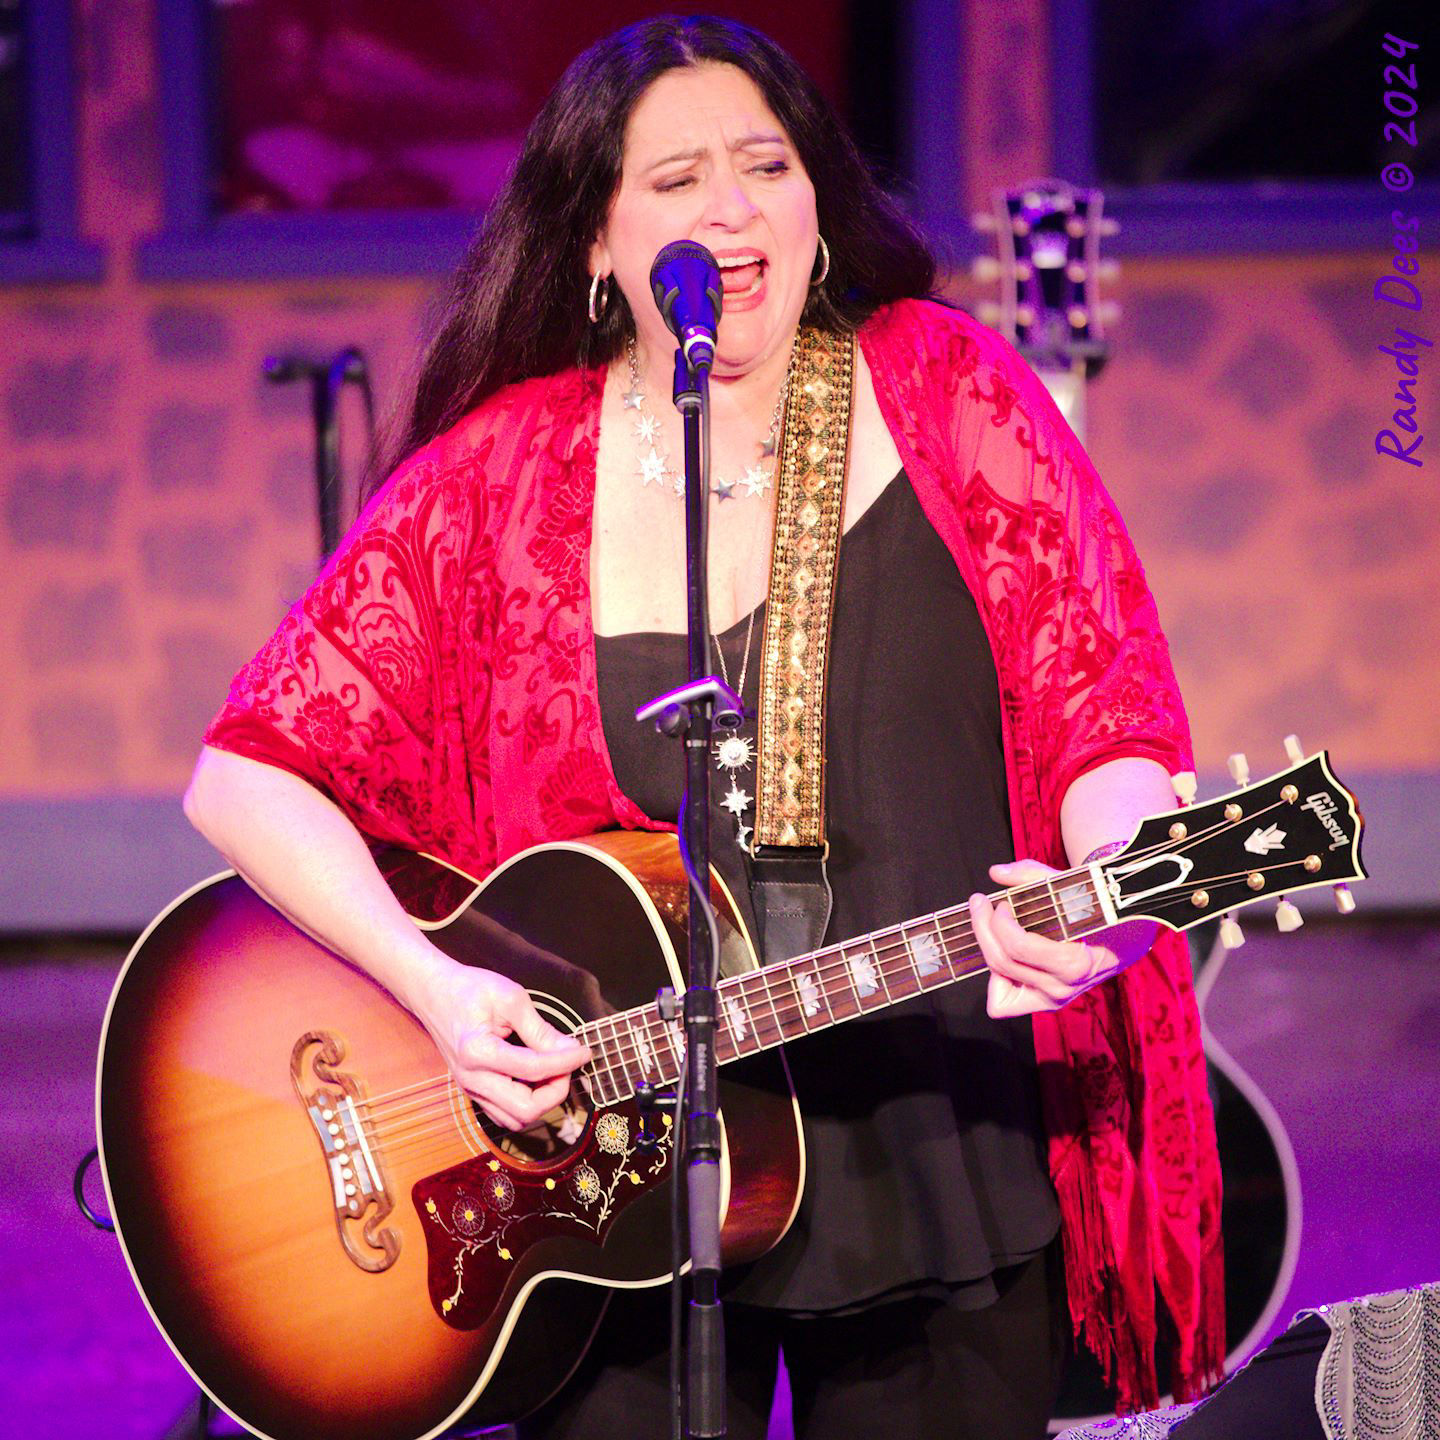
(788, 883)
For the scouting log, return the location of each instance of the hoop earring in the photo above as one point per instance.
(599, 299)
(819, 279)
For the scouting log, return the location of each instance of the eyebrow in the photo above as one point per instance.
(751, 141)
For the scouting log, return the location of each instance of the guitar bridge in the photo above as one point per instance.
(331, 1097)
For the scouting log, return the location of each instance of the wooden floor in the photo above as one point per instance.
(1339, 1024)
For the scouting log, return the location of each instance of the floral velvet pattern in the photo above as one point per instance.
(438, 682)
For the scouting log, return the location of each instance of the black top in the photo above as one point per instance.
(925, 1152)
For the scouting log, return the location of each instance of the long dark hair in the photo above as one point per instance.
(517, 304)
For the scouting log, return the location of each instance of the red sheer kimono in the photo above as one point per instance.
(438, 682)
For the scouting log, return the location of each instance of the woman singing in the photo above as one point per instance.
(986, 1171)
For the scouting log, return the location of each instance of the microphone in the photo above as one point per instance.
(686, 283)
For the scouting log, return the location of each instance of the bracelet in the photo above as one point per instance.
(1100, 852)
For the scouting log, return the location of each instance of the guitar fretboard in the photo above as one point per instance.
(792, 998)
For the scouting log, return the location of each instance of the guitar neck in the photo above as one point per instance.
(792, 998)
(1294, 831)
(1067, 389)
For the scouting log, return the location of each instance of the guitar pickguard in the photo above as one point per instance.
(481, 1216)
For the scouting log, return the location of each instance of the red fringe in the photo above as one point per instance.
(1100, 1313)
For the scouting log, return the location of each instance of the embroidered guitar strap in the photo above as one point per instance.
(787, 867)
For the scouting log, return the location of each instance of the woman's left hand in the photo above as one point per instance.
(1029, 972)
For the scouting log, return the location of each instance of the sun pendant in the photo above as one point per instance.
(734, 752)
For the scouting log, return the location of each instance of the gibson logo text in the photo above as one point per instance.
(1325, 811)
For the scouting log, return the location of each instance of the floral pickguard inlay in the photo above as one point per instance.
(481, 1216)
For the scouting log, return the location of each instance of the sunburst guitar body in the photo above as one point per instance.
(332, 1238)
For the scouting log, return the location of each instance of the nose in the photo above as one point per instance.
(729, 206)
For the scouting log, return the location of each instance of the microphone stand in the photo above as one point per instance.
(691, 712)
(327, 378)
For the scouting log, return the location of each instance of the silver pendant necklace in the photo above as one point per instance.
(655, 467)
(734, 752)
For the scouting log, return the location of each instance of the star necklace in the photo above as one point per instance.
(734, 752)
(655, 464)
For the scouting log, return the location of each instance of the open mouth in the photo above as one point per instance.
(741, 275)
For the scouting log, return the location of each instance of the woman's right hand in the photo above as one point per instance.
(470, 1014)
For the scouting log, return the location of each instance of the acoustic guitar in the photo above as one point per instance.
(336, 1241)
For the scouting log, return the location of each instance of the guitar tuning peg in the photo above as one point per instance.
(1294, 751)
(1109, 270)
(1239, 768)
(1344, 900)
(1109, 312)
(1232, 937)
(985, 267)
(1287, 917)
(984, 221)
(1109, 227)
(988, 312)
(1184, 785)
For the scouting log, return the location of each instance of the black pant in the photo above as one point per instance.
(904, 1368)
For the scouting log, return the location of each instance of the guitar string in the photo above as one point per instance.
(1042, 890)
(622, 1045)
(628, 1052)
(624, 1051)
(1024, 913)
(629, 1056)
(621, 1042)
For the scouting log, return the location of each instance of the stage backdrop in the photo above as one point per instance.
(156, 509)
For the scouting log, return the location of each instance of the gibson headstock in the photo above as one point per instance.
(1047, 261)
(1296, 830)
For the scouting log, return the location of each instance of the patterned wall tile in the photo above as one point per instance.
(197, 559)
(196, 666)
(77, 735)
(1208, 512)
(189, 333)
(1160, 430)
(1267, 374)
(1344, 303)
(1171, 323)
(1338, 448)
(68, 625)
(185, 446)
(69, 506)
(61, 399)
(1375, 534)
(290, 482)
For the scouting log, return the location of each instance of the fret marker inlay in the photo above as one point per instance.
(925, 951)
(1076, 903)
(809, 993)
(643, 1049)
(736, 1015)
(862, 971)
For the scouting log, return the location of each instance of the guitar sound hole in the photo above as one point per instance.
(553, 1136)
